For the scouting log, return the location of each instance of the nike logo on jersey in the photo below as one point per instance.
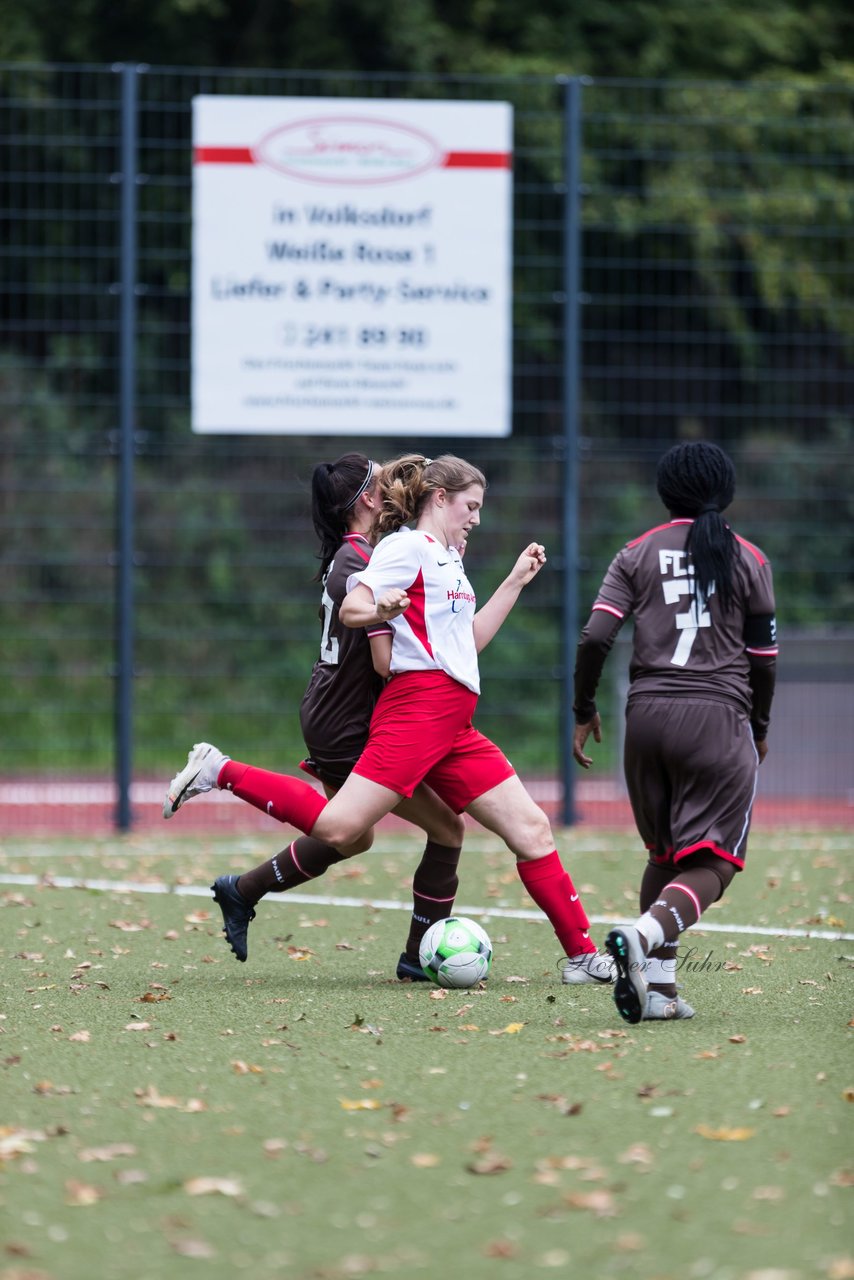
(442, 563)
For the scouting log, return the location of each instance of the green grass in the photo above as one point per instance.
(350, 1125)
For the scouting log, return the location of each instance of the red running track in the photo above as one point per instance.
(86, 807)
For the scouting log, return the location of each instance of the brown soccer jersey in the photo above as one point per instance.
(684, 645)
(336, 709)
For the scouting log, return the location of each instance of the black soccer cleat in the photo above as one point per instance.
(236, 913)
(407, 968)
(630, 989)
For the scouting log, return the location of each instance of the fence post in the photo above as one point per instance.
(125, 481)
(572, 107)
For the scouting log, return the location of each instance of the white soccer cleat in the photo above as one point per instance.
(665, 1008)
(630, 990)
(590, 967)
(198, 775)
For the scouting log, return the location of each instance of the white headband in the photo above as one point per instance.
(357, 495)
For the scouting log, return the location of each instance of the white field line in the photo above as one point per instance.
(385, 904)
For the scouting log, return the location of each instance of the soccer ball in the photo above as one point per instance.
(455, 952)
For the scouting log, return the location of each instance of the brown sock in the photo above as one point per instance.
(681, 903)
(434, 887)
(303, 860)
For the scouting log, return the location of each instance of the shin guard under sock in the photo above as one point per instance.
(284, 798)
(554, 893)
(434, 887)
(681, 903)
(304, 859)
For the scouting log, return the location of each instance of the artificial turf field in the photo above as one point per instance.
(166, 1111)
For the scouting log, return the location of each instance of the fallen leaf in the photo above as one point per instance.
(739, 1039)
(138, 1026)
(600, 1203)
(80, 1195)
(149, 1097)
(500, 1249)
(512, 1029)
(751, 991)
(198, 917)
(724, 1134)
(359, 1104)
(489, 1163)
(241, 1068)
(111, 1152)
(638, 1153)
(81, 1037)
(207, 1186)
(425, 1160)
(194, 1249)
(18, 1142)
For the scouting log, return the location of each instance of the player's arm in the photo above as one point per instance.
(359, 609)
(380, 642)
(760, 643)
(594, 645)
(489, 618)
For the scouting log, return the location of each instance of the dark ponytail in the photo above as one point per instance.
(697, 480)
(335, 486)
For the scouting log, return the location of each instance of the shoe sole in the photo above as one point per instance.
(175, 797)
(629, 991)
(223, 907)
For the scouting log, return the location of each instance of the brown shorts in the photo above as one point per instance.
(691, 772)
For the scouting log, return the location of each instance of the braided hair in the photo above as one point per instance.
(407, 483)
(335, 487)
(697, 480)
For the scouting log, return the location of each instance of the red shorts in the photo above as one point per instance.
(421, 731)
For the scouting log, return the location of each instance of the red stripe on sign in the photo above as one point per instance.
(477, 160)
(451, 159)
(223, 155)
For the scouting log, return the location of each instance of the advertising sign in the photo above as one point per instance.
(351, 266)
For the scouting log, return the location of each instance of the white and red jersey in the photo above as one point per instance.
(435, 633)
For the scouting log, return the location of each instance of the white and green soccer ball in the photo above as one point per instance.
(456, 952)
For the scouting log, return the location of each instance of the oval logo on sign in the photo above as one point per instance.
(348, 149)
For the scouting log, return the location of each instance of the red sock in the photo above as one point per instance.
(554, 893)
(283, 798)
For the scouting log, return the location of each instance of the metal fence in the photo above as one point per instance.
(682, 268)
